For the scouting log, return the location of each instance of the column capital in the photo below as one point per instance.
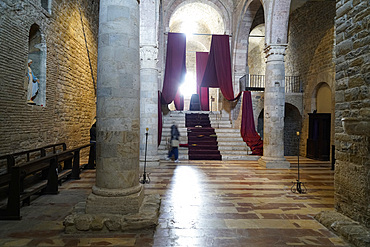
(148, 56)
(275, 52)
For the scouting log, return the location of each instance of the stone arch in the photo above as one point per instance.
(219, 6)
(292, 124)
(314, 97)
(247, 17)
(37, 53)
(168, 9)
(217, 23)
(256, 56)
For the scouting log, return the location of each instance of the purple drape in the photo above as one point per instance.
(160, 121)
(203, 92)
(247, 129)
(218, 70)
(175, 70)
(179, 101)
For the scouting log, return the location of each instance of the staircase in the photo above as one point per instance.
(230, 142)
(202, 138)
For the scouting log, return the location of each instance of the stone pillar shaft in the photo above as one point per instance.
(117, 188)
(149, 80)
(274, 103)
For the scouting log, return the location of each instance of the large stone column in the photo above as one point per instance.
(117, 201)
(117, 189)
(274, 103)
(149, 81)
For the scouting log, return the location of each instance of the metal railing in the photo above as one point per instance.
(293, 84)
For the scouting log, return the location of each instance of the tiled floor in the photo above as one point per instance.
(204, 203)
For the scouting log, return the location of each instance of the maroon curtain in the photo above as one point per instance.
(160, 121)
(218, 70)
(203, 92)
(247, 129)
(179, 101)
(175, 70)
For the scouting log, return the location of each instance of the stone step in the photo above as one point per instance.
(240, 157)
(233, 148)
(234, 152)
(227, 130)
(229, 135)
(216, 125)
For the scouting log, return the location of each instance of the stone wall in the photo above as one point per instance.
(352, 167)
(310, 55)
(69, 107)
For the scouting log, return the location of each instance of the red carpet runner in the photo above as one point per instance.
(202, 138)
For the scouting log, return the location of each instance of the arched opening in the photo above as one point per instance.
(320, 123)
(256, 55)
(199, 21)
(36, 86)
(292, 124)
(323, 99)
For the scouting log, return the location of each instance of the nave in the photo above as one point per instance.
(204, 203)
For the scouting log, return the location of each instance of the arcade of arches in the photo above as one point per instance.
(306, 61)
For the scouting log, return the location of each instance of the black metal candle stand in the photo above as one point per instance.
(145, 179)
(298, 186)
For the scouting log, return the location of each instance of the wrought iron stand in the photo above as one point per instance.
(144, 179)
(298, 187)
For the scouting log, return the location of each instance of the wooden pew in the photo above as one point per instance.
(40, 175)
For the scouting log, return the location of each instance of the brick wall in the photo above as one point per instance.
(70, 98)
(352, 167)
(310, 54)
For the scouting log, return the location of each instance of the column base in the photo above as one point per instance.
(146, 218)
(274, 163)
(114, 201)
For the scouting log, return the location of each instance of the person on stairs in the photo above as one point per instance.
(175, 143)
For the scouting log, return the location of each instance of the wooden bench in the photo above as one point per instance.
(27, 155)
(39, 176)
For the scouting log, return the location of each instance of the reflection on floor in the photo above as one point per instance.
(204, 203)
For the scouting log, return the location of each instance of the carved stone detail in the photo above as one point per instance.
(148, 56)
(275, 52)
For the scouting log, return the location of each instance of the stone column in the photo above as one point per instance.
(149, 81)
(117, 189)
(274, 103)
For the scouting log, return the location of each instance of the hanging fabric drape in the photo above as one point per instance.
(247, 129)
(203, 92)
(175, 70)
(160, 120)
(218, 70)
(179, 101)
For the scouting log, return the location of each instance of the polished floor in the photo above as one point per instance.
(204, 203)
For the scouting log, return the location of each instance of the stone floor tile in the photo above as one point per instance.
(204, 203)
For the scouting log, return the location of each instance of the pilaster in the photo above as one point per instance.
(149, 82)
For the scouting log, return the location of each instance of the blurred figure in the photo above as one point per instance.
(175, 143)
